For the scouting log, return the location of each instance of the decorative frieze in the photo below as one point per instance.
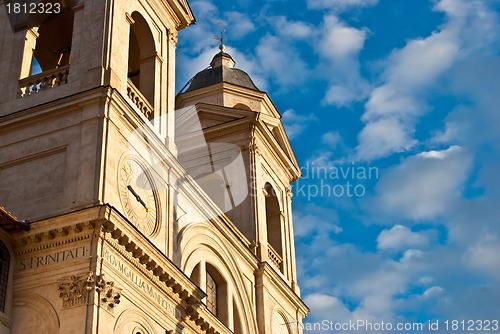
(74, 291)
(172, 36)
(109, 295)
(51, 258)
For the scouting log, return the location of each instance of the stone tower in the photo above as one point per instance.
(243, 132)
(103, 228)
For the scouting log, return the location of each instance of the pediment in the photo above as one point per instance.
(203, 116)
(279, 137)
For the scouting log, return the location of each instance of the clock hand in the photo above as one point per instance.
(138, 198)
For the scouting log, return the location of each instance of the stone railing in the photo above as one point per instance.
(139, 100)
(42, 81)
(274, 258)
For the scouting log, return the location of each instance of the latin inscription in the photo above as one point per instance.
(149, 290)
(52, 258)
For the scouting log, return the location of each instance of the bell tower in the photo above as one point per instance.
(223, 118)
(72, 69)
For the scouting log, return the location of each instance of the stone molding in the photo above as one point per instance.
(36, 240)
(129, 19)
(109, 294)
(137, 265)
(172, 36)
(74, 290)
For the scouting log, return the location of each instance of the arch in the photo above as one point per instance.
(53, 44)
(217, 292)
(238, 324)
(142, 58)
(202, 243)
(34, 314)
(207, 276)
(242, 106)
(132, 322)
(273, 221)
(280, 324)
(4, 275)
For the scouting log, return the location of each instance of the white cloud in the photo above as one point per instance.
(339, 95)
(422, 60)
(332, 139)
(380, 137)
(281, 62)
(395, 105)
(413, 71)
(293, 29)
(295, 123)
(327, 307)
(423, 186)
(390, 102)
(200, 35)
(400, 237)
(432, 292)
(339, 47)
(476, 79)
(340, 5)
(239, 24)
(484, 256)
(340, 40)
(315, 219)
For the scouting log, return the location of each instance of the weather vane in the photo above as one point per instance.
(221, 38)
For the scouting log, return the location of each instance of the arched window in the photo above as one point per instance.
(280, 324)
(211, 294)
(273, 222)
(216, 289)
(53, 45)
(47, 50)
(206, 276)
(142, 58)
(4, 274)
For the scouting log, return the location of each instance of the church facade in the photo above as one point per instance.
(127, 209)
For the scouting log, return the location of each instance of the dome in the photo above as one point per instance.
(221, 70)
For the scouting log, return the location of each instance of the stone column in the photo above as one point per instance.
(167, 128)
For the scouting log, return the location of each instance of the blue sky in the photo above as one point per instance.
(407, 89)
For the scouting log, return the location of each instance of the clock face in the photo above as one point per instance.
(138, 196)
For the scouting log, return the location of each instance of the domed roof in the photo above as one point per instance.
(221, 70)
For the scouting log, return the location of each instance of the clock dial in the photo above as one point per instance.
(138, 196)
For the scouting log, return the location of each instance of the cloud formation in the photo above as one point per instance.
(412, 71)
(423, 186)
(340, 5)
(339, 47)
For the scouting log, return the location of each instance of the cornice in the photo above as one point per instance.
(162, 271)
(277, 153)
(224, 87)
(30, 243)
(109, 225)
(281, 286)
(54, 108)
(248, 121)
